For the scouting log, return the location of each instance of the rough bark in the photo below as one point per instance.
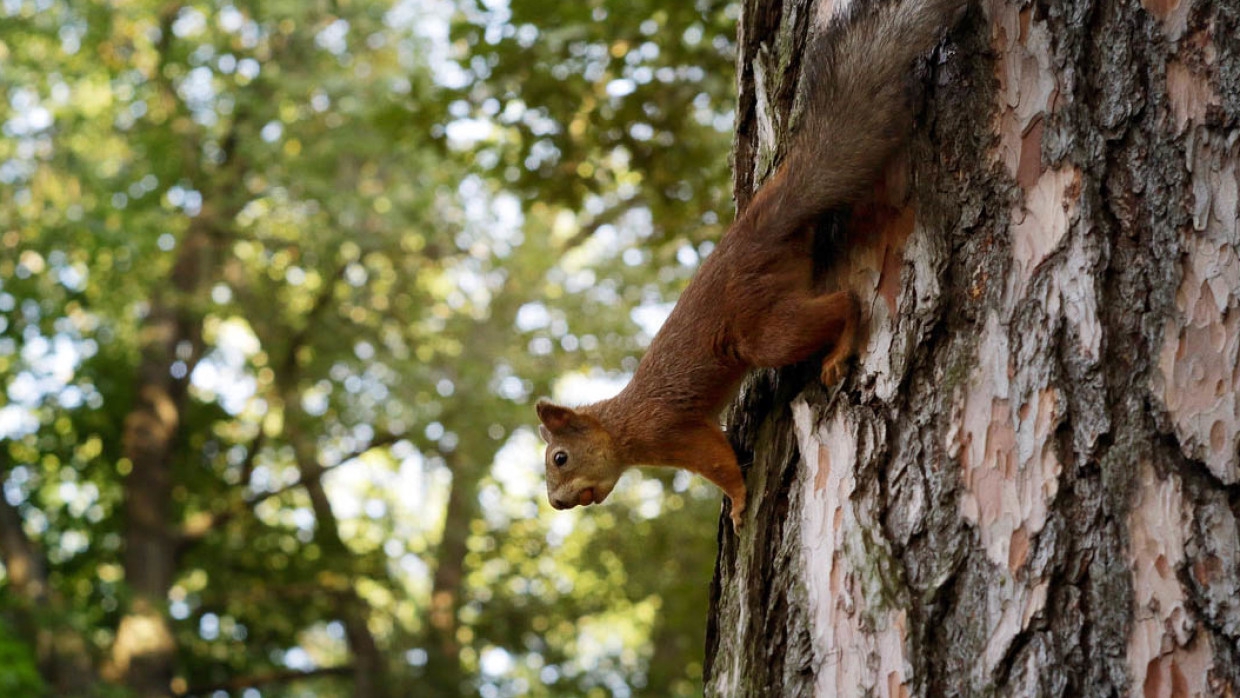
(1029, 484)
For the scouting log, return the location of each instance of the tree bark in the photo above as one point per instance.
(1029, 484)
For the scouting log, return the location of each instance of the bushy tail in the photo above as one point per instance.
(856, 111)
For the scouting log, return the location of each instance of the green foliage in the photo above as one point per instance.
(608, 102)
(20, 674)
(383, 229)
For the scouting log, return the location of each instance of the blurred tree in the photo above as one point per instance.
(585, 103)
(272, 305)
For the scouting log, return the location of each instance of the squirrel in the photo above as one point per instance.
(752, 303)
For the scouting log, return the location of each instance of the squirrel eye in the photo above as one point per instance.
(560, 459)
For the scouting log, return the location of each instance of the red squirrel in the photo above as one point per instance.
(752, 303)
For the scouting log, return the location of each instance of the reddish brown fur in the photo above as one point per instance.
(752, 304)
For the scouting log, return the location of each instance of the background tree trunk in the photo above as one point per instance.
(63, 659)
(144, 653)
(445, 675)
(1030, 482)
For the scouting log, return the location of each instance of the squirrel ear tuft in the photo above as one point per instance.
(555, 417)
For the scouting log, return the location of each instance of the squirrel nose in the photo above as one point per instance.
(561, 503)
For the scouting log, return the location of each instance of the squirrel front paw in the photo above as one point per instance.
(833, 369)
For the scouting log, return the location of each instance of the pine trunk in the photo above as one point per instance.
(1029, 484)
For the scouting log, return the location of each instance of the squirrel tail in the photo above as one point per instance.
(856, 112)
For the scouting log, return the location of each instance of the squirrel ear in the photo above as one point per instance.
(555, 417)
(546, 435)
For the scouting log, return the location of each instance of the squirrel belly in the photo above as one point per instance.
(752, 303)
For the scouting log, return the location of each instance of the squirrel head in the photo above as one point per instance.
(582, 465)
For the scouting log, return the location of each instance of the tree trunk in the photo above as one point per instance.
(444, 674)
(61, 651)
(144, 652)
(1029, 484)
(371, 675)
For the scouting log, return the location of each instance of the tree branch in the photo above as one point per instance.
(607, 217)
(321, 303)
(198, 528)
(251, 454)
(377, 442)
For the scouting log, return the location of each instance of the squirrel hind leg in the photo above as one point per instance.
(801, 326)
